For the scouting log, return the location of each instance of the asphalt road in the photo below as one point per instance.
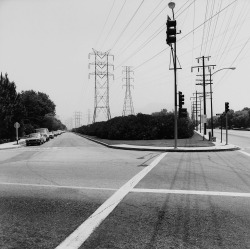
(236, 137)
(184, 200)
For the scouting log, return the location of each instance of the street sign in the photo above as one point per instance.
(16, 125)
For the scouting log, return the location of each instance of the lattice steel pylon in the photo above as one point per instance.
(128, 108)
(102, 75)
(78, 119)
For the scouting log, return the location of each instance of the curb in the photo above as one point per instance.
(181, 149)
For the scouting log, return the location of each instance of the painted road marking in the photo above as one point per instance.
(135, 190)
(243, 152)
(54, 186)
(77, 238)
(190, 192)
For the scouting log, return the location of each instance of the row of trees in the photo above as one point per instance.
(29, 108)
(159, 125)
(236, 119)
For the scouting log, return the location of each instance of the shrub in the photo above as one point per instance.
(139, 127)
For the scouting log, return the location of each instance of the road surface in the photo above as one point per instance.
(139, 199)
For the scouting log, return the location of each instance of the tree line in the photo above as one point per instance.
(236, 119)
(29, 108)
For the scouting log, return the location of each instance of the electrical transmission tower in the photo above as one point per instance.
(102, 74)
(78, 118)
(128, 108)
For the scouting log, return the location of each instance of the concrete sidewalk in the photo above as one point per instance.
(12, 145)
(210, 146)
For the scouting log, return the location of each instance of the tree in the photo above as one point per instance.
(12, 109)
(37, 106)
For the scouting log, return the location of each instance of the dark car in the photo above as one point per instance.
(34, 139)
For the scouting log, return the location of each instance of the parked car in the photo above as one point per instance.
(44, 132)
(55, 133)
(34, 138)
(51, 135)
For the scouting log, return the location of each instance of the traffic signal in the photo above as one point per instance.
(181, 99)
(183, 112)
(226, 107)
(171, 31)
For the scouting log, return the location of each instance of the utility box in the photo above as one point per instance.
(213, 139)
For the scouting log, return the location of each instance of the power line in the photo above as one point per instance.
(114, 22)
(187, 34)
(153, 36)
(131, 42)
(127, 24)
(105, 23)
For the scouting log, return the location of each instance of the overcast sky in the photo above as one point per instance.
(44, 46)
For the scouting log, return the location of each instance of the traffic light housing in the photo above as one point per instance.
(181, 99)
(226, 107)
(183, 112)
(171, 31)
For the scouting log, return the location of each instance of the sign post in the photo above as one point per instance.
(17, 125)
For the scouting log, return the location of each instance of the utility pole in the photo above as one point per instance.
(196, 108)
(102, 77)
(203, 66)
(209, 82)
(128, 108)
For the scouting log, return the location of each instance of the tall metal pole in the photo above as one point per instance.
(204, 95)
(226, 130)
(196, 122)
(221, 128)
(211, 94)
(175, 96)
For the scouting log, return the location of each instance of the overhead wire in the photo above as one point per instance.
(229, 34)
(185, 35)
(235, 31)
(105, 23)
(225, 32)
(235, 59)
(136, 32)
(214, 29)
(114, 22)
(210, 23)
(204, 28)
(124, 29)
(153, 36)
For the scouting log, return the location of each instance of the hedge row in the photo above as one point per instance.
(139, 127)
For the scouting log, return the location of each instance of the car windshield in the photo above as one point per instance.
(34, 135)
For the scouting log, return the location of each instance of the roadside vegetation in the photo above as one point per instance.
(29, 108)
(139, 127)
(236, 119)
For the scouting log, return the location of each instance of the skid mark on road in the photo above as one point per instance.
(77, 238)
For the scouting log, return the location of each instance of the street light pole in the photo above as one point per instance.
(171, 5)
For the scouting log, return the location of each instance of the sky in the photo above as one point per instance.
(45, 46)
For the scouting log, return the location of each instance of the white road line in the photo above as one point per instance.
(54, 186)
(243, 152)
(190, 192)
(77, 238)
